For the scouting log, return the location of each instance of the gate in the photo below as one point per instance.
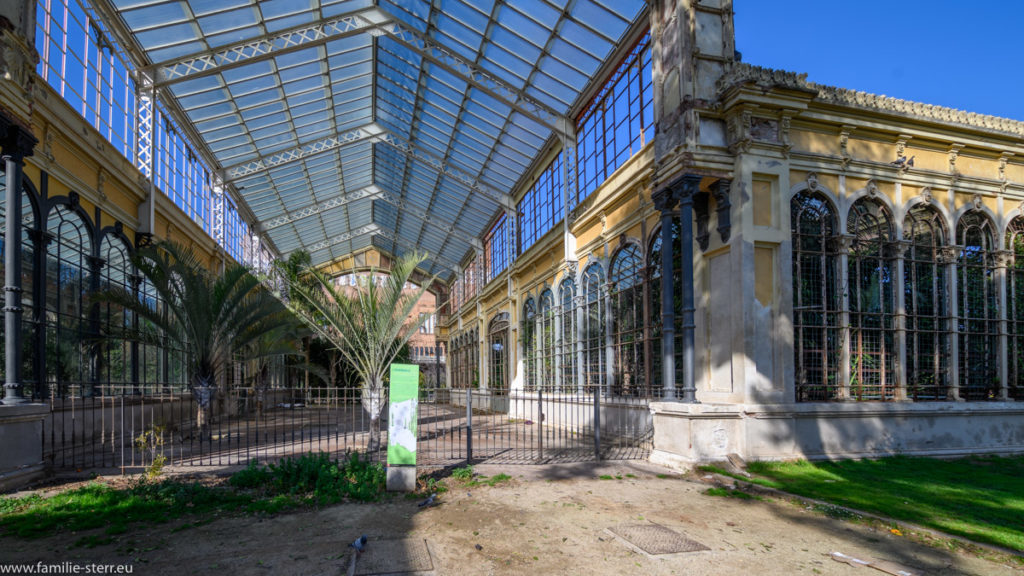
(458, 426)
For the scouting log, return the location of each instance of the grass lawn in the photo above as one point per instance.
(979, 498)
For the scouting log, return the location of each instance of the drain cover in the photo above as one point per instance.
(394, 556)
(655, 539)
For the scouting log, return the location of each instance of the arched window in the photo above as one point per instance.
(115, 323)
(497, 351)
(977, 325)
(816, 303)
(1015, 311)
(529, 339)
(67, 281)
(567, 333)
(926, 302)
(593, 328)
(654, 268)
(627, 301)
(871, 298)
(546, 341)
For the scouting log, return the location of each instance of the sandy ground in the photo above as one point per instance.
(547, 520)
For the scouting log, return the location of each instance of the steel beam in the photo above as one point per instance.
(443, 225)
(366, 132)
(436, 258)
(307, 211)
(267, 46)
(362, 230)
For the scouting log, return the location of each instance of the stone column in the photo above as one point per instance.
(1002, 260)
(898, 251)
(948, 255)
(843, 243)
(690, 187)
(665, 201)
(17, 144)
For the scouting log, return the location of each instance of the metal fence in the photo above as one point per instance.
(130, 431)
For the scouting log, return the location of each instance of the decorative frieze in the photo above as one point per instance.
(742, 73)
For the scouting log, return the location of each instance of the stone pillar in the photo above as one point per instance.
(689, 188)
(17, 143)
(664, 201)
(949, 255)
(843, 243)
(898, 253)
(1002, 260)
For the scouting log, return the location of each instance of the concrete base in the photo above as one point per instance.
(687, 434)
(21, 438)
(401, 479)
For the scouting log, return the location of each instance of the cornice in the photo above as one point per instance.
(741, 73)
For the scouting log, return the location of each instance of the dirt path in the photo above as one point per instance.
(547, 520)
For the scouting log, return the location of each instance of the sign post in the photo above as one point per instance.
(403, 404)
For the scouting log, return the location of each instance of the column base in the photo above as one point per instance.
(401, 479)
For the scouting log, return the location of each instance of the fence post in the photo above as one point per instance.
(540, 422)
(469, 426)
(597, 423)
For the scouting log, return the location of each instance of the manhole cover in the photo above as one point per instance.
(394, 556)
(655, 539)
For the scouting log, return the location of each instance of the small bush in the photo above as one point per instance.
(316, 476)
(463, 474)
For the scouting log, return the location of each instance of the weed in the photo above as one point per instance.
(605, 477)
(463, 474)
(727, 493)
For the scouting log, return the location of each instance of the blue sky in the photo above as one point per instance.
(952, 53)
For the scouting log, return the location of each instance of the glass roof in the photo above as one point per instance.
(400, 124)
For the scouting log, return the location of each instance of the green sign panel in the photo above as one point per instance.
(402, 404)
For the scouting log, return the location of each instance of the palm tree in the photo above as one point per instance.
(213, 319)
(368, 326)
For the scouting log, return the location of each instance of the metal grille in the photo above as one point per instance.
(547, 355)
(497, 354)
(816, 305)
(927, 305)
(567, 332)
(977, 325)
(528, 334)
(872, 374)
(1015, 305)
(594, 335)
(627, 298)
(67, 281)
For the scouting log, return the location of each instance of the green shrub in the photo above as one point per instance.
(463, 474)
(316, 476)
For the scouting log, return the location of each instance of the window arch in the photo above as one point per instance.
(816, 303)
(528, 327)
(977, 314)
(925, 297)
(567, 333)
(547, 354)
(627, 301)
(1015, 308)
(497, 351)
(871, 302)
(115, 322)
(593, 328)
(67, 281)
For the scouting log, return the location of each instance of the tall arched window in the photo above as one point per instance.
(1015, 311)
(497, 352)
(546, 341)
(816, 303)
(627, 298)
(927, 306)
(654, 377)
(528, 329)
(67, 281)
(593, 328)
(116, 350)
(977, 325)
(871, 298)
(567, 334)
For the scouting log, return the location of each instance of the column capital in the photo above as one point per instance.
(16, 141)
(664, 200)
